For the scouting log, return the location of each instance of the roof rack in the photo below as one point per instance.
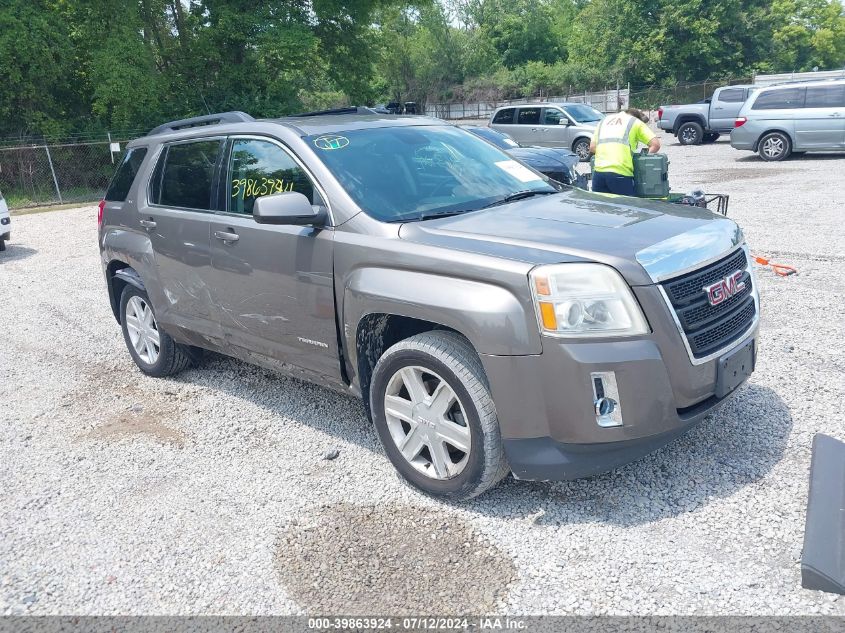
(199, 121)
(346, 110)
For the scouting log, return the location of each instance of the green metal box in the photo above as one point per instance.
(651, 175)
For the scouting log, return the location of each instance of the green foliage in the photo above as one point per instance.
(88, 65)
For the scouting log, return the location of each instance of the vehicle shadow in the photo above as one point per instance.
(809, 156)
(733, 447)
(16, 251)
(728, 450)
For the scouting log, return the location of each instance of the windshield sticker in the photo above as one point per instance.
(520, 172)
(331, 142)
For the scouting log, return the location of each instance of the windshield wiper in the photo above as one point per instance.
(428, 215)
(518, 195)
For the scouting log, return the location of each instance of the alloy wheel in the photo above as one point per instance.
(689, 135)
(143, 329)
(773, 146)
(582, 149)
(427, 422)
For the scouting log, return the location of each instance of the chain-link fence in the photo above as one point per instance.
(56, 173)
(605, 101)
(652, 97)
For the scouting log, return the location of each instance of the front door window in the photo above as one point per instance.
(260, 168)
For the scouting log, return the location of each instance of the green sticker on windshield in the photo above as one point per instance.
(331, 142)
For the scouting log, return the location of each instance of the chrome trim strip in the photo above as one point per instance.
(755, 293)
(690, 251)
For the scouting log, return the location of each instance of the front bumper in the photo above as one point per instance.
(545, 403)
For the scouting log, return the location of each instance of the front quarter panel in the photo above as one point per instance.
(486, 299)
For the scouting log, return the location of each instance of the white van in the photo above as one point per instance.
(5, 223)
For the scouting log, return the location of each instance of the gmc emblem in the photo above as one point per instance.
(725, 288)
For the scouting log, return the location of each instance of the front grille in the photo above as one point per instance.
(710, 328)
(687, 287)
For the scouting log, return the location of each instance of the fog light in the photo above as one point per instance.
(606, 399)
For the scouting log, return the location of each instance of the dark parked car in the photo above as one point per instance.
(557, 163)
(490, 322)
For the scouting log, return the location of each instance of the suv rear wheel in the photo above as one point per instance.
(435, 417)
(155, 353)
(774, 146)
(581, 146)
(690, 133)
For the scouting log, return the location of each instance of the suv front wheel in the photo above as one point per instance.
(775, 146)
(155, 353)
(435, 417)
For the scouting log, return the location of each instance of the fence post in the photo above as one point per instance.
(111, 153)
(53, 171)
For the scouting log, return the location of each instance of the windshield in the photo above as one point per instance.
(583, 113)
(397, 174)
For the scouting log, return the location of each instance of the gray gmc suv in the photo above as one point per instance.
(492, 321)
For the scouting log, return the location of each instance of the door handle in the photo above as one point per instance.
(148, 224)
(226, 236)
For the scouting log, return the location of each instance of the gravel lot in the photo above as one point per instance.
(210, 493)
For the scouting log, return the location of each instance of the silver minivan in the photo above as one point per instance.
(792, 118)
(569, 125)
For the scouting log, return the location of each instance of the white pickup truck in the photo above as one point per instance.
(703, 122)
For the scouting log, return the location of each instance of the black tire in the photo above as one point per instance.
(710, 137)
(450, 357)
(2, 244)
(690, 133)
(172, 357)
(774, 146)
(581, 147)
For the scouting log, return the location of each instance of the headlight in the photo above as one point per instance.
(580, 300)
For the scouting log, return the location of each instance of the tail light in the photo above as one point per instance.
(100, 208)
(659, 113)
(740, 121)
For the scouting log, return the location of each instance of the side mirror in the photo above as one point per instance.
(290, 207)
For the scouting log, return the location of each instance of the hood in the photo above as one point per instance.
(643, 239)
(545, 158)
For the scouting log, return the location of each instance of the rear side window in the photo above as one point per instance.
(184, 175)
(260, 168)
(825, 97)
(504, 116)
(528, 116)
(125, 174)
(781, 99)
(732, 95)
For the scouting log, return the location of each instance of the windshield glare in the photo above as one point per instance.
(583, 113)
(405, 173)
(502, 141)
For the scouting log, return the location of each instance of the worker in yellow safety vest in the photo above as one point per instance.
(614, 143)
